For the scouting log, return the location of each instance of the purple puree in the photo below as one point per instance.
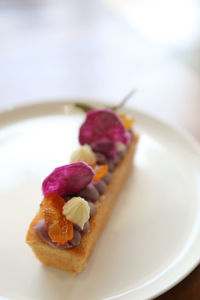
(106, 147)
(107, 177)
(121, 153)
(90, 193)
(101, 158)
(85, 228)
(101, 186)
(117, 159)
(92, 208)
(111, 165)
(41, 230)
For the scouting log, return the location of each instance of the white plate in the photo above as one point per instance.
(152, 239)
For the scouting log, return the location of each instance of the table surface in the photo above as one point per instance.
(85, 50)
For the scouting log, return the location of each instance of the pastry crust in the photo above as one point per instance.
(74, 260)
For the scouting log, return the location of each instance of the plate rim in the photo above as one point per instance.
(22, 108)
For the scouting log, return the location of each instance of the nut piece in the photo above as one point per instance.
(85, 154)
(77, 211)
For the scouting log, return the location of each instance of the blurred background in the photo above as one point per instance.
(56, 49)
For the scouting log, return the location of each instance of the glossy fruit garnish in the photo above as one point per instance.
(127, 121)
(59, 229)
(100, 171)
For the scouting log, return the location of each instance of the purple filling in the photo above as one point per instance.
(107, 177)
(90, 193)
(92, 208)
(106, 147)
(119, 156)
(117, 159)
(67, 197)
(101, 186)
(101, 158)
(76, 239)
(85, 228)
(41, 230)
(111, 165)
(122, 153)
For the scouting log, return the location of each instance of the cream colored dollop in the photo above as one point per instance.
(120, 146)
(84, 153)
(77, 211)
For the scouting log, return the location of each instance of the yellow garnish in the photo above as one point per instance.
(127, 121)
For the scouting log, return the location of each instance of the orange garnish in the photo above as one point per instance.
(59, 229)
(126, 120)
(100, 171)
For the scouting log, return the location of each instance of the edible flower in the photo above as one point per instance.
(68, 179)
(103, 127)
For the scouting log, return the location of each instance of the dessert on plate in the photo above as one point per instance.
(79, 197)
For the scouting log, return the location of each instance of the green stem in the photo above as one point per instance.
(83, 106)
(86, 107)
(124, 100)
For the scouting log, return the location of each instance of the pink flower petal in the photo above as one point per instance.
(103, 124)
(69, 179)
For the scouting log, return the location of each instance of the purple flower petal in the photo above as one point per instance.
(103, 124)
(69, 179)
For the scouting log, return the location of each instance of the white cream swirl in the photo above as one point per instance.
(77, 211)
(84, 153)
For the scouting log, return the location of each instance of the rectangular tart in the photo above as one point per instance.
(74, 260)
